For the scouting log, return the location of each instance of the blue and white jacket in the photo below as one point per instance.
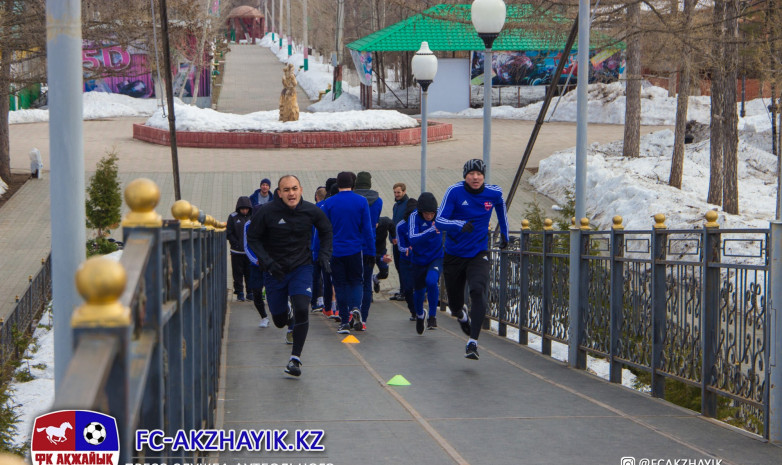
(403, 241)
(460, 206)
(425, 239)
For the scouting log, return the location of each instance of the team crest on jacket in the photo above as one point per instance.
(74, 436)
(487, 205)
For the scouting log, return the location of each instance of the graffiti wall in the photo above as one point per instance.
(131, 74)
(536, 67)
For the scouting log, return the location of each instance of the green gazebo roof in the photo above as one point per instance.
(449, 28)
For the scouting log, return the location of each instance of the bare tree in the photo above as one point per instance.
(682, 98)
(632, 133)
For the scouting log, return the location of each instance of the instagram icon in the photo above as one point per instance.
(627, 461)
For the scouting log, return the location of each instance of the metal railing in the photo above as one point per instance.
(155, 363)
(28, 308)
(683, 305)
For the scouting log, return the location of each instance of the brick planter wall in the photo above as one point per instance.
(301, 140)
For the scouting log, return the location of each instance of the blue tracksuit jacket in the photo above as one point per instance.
(426, 240)
(403, 241)
(458, 207)
(353, 229)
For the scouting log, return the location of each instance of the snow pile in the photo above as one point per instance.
(190, 118)
(345, 102)
(3, 187)
(36, 397)
(607, 106)
(637, 188)
(95, 105)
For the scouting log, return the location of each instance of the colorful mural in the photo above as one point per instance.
(363, 63)
(133, 76)
(537, 67)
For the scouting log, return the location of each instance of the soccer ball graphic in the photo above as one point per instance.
(94, 433)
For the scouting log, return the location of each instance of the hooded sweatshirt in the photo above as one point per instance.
(235, 225)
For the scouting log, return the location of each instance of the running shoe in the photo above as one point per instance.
(431, 323)
(344, 329)
(264, 323)
(471, 351)
(375, 284)
(412, 317)
(465, 325)
(363, 327)
(240, 296)
(419, 325)
(289, 337)
(294, 367)
(355, 320)
(250, 296)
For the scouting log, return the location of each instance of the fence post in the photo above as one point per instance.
(502, 310)
(658, 250)
(774, 343)
(175, 389)
(142, 196)
(710, 240)
(577, 355)
(523, 281)
(617, 285)
(548, 285)
(101, 281)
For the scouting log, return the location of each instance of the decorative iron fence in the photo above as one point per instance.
(683, 305)
(28, 308)
(156, 368)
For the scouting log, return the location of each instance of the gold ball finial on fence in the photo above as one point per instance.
(210, 223)
(711, 219)
(142, 196)
(181, 211)
(617, 220)
(525, 225)
(572, 222)
(659, 221)
(194, 211)
(548, 224)
(584, 224)
(29, 278)
(101, 281)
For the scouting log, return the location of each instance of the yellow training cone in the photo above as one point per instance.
(398, 380)
(350, 340)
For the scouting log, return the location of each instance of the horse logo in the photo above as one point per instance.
(56, 434)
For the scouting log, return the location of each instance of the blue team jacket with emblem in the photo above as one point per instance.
(426, 240)
(458, 207)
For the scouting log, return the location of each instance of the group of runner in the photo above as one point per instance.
(292, 245)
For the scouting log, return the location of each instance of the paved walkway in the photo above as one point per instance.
(513, 406)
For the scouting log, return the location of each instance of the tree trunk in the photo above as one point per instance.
(5, 148)
(717, 107)
(632, 136)
(730, 194)
(682, 103)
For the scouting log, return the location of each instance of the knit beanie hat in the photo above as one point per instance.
(266, 181)
(475, 164)
(364, 180)
(346, 179)
(427, 202)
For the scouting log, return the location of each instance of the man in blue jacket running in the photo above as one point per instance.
(427, 244)
(464, 215)
(353, 233)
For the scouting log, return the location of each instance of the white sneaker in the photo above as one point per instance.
(264, 323)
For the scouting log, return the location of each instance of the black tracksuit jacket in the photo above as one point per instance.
(278, 233)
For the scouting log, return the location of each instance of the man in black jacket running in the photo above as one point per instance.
(280, 234)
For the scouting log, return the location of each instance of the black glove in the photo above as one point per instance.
(468, 227)
(276, 271)
(325, 264)
(503, 243)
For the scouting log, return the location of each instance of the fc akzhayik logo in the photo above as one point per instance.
(75, 436)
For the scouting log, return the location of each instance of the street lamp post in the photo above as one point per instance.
(488, 17)
(424, 66)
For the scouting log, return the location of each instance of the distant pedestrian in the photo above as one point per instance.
(464, 215)
(405, 258)
(262, 196)
(364, 189)
(321, 285)
(400, 204)
(240, 265)
(427, 260)
(280, 235)
(350, 220)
